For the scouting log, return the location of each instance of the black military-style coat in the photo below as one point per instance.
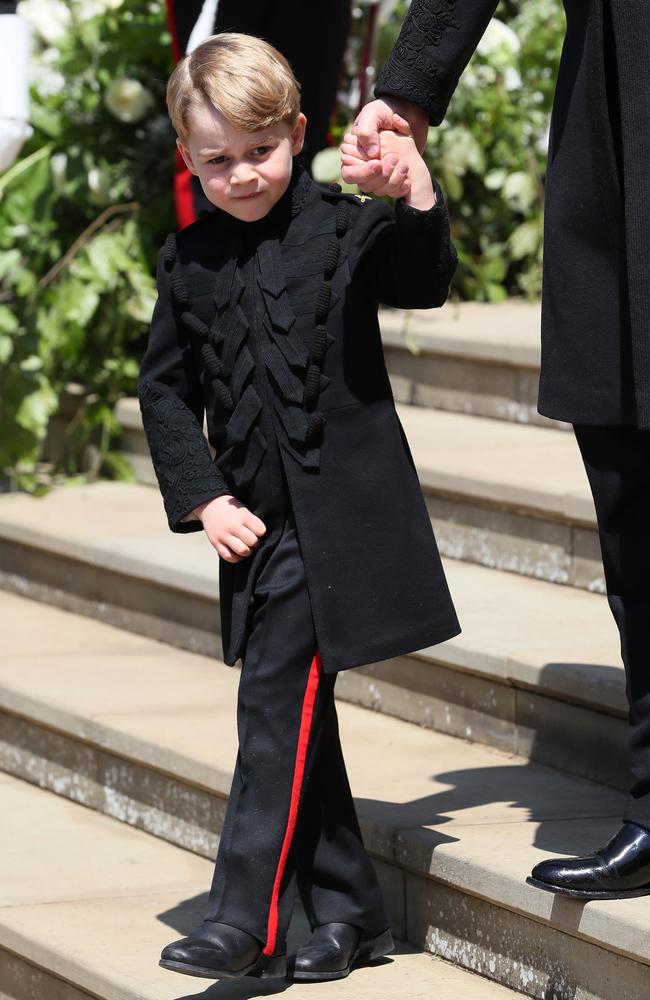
(271, 328)
(596, 291)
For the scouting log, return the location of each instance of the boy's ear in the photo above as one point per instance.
(185, 153)
(298, 134)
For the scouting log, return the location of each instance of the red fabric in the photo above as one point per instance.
(315, 672)
(183, 196)
(171, 24)
(183, 192)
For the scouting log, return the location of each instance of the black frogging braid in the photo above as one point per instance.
(194, 324)
(323, 304)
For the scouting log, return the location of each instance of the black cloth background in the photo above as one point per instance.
(596, 293)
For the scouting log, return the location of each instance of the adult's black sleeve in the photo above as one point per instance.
(404, 255)
(172, 406)
(436, 42)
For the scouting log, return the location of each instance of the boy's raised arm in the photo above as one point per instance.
(403, 252)
(172, 406)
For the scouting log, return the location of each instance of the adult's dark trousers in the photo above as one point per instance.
(291, 822)
(617, 460)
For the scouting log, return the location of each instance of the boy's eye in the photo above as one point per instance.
(217, 159)
(261, 150)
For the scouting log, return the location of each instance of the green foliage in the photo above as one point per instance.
(490, 152)
(84, 209)
(82, 214)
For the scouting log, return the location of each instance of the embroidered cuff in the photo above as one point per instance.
(398, 80)
(186, 473)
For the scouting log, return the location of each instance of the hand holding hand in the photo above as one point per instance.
(233, 530)
(393, 114)
(401, 169)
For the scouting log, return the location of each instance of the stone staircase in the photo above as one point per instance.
(113, 698)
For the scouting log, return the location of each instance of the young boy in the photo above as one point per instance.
(267, 321)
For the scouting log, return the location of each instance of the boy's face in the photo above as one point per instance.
(243, 173)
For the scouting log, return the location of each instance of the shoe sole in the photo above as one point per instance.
(368, 951)
(586, 894)
(262, 968)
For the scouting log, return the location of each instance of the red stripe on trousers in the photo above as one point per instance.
(315, 672)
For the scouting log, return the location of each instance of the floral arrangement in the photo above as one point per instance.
(86, 206)
(82, 213)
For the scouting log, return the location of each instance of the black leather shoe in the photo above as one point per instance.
(219, 951)
(618, 871)
(334, 949)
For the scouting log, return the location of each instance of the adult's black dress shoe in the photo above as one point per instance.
(219, 951)
(618, 871)
(334, 949)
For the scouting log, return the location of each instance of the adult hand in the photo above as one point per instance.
(393, 114)
(389, 174)
(233, 530)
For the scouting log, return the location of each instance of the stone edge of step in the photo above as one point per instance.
(448, 333)
(578, 683)
(409, 848)
(76, 971)
(573, 507)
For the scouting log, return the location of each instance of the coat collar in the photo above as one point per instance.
(300, 190)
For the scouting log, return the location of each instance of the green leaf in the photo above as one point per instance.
(326, 165)
(495, 293)
(23, 167)
(8, 320)
(526, 239)
(6, 348)
(76, 301)
(119, 466)
(8, 262)
(36, 409)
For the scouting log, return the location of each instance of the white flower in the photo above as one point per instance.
(128, 100)
(43, 74)
(85, 9)
(520, 190)
(49, 18)
(497, 35)
(495, 179)
(512, 79)
(59, 166)
(99, 184)
(463, 151)
(542, 142)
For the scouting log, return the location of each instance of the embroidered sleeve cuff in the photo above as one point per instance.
(434, 221)
(397, 80)
(186, 473)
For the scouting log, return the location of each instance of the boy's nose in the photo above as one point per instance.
(242, 174)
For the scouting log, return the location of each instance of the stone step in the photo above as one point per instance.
(147, 735)
(556, 695)
(467, 358)
(499, 494)
(86, 910)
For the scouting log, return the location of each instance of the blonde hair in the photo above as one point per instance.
(242, 76)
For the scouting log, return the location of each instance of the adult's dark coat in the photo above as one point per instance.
(596, 290)
(271, 328)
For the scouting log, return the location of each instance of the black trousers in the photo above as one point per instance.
(617, 460)
(291, 823)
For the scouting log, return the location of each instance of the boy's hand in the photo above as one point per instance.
(404, 172)
(233, 530)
